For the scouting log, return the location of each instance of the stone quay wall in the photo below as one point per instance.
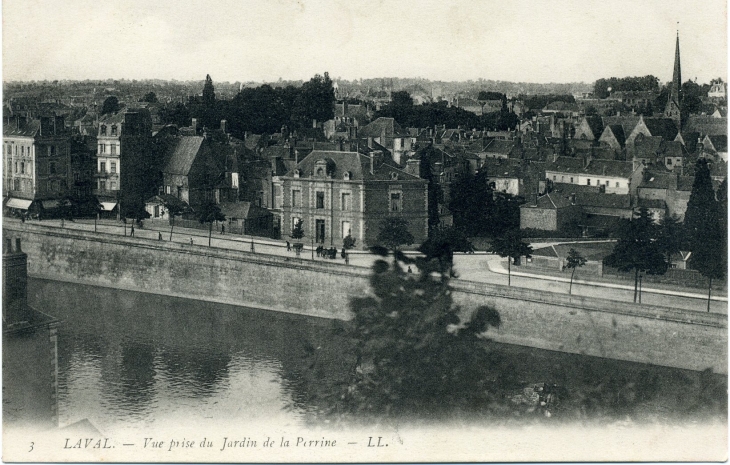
(560, 322)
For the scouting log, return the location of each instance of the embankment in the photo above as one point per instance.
(552, 321)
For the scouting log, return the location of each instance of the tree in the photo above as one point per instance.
(637, 248)
(471, 201)
(671, 237)
(210, 213)
(394, 233)
(574, 260)
(208, 92)
(298, 231)
(175, 209)
(149, 97)
(442, 243)
(510, 245)
(415, 352)
(703, 223)
(701, 207)
(110, 105)
(348, 242)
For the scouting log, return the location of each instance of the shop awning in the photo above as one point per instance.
(49, 204)
(18, 203)
(108, 206)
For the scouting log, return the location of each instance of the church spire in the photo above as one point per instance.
(672, 109)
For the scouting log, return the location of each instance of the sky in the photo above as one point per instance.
(451, 40)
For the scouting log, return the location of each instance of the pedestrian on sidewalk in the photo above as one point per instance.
(223, 229)
(409, 269)
(131, 234)
(347, 258)
(191, 241)
(252, 250)
(159, 236)
(288, 246)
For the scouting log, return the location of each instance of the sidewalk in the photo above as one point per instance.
(499, 267)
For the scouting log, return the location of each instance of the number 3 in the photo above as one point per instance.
(31, 447)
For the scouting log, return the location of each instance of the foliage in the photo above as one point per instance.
(149, 97)
(209, 213)
(574, 260)
(394, 233)
(670, 236)
(348, 242)
(415, 352)
(440, 113)
(110, 105)
(470, 203)
(637, 83)
(208, 91)
(637, 248)
(701, 207)
(298, 230)
(442, 243)
(540, 101)
(510, 245)
(692, 95)
(435, 193)
(315, 101)
(489, 95)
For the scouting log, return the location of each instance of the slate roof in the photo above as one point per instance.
(706, 125)
(618, 132)
(29, 129)
(596, 125)
(167, 199)
(719, 142)
(598, 167)
(628, 123)
(550, 201)
(356, 163)
(500, 146)
(659, 181)
(669, 148)
(602, 200)
(184, 155)
(375, 129)
(690, 139)
(652, 203)
(662, 127)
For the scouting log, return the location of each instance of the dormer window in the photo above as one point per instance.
(114, 130)
(296, 173)
(320, 172)
(103, 130)
(394, 176)
(347, 176)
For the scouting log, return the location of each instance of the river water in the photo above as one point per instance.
(129, 360)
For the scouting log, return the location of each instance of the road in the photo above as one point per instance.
(479, 267)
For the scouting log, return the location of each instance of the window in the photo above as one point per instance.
(589, 182)
(16, 167)
(555, 178)
(16, 184)
(22, 167)
(77, 176)
(294, 222)
(114, 130)
(113, 165)
(167, 189)
(562, 178)
(10, 149)
(571, 180)
(52, 150)
(617, 184)
(345, 201)
(113, 149)
(102, 148)
(669, 161)
(52, 168)
(103, 130)
(102, 185)
(395, 202)
(347, 176)
(296, 198)
(22, 150)
(113, 185)
(320, 199)
(346, 228)
(102, 167)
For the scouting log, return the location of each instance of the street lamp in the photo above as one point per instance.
(312, 247)
(640, 276)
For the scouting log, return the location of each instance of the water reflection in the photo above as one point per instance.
(127, 358)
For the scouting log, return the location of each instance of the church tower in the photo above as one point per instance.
(672, 110)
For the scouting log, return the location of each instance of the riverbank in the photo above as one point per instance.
(534, 318)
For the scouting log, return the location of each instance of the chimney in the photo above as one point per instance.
(224, 126)
(314, 124)
(194, 124)
(572, 198)
(382, 138)
(413, 166)
(370, 142)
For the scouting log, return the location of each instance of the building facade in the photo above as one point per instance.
(336, 194)
(36, 163)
